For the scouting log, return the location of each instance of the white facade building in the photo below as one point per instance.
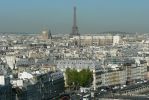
(114, 78)
(10, 59)
(116, 39)
(2, 80)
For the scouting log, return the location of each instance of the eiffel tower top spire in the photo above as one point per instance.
(75, 31)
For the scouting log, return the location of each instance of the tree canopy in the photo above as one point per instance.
(82, 78)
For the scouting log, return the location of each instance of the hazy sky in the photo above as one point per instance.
(92, 15)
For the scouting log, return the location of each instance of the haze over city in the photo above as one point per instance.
(93, 16)
(74, 50)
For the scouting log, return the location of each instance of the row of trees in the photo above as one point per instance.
(82, 78)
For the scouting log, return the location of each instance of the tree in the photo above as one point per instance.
(75, 78)
(85, 77)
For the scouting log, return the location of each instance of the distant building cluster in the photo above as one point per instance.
(30, 64)
(27, 69)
